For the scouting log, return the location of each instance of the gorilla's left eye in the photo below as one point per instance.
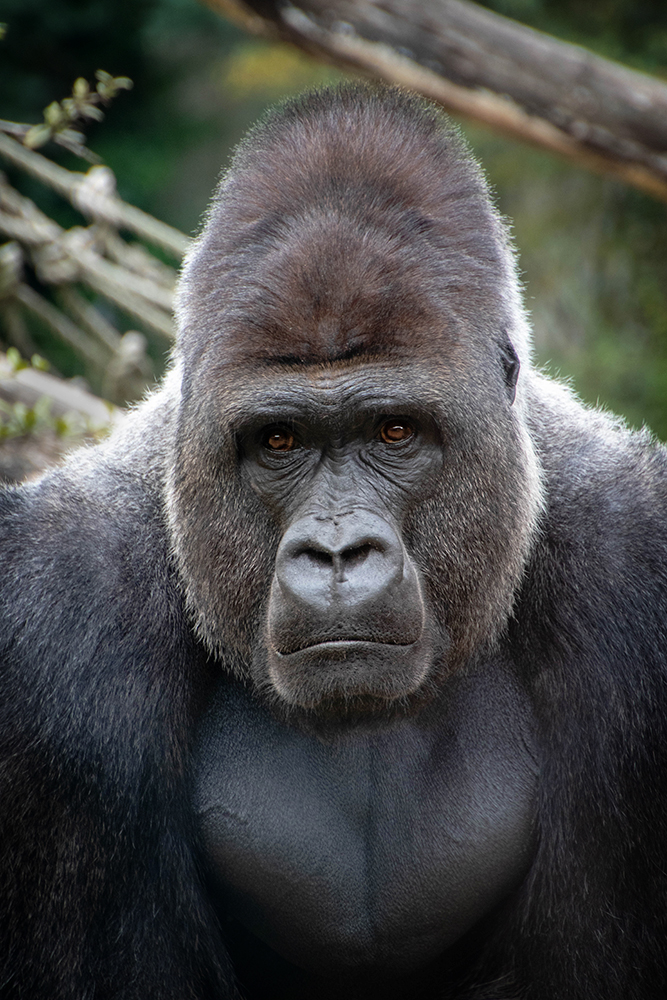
(396, 430)
(278, 439)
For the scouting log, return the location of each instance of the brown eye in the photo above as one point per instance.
(394, 431)
(279, 440)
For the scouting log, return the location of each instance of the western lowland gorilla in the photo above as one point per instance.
(339, 669)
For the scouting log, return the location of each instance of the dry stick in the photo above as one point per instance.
(60, 324)
(104, 270)
(90, 318)
(29, 385)
(17, 331)
(134, 257)
(14, 128)
(110, 209)
(134, 294)
(22, 207)
(27, 231)
(104, 282)
(474, 62)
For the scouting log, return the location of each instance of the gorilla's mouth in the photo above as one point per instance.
(339, 648)
(345, 671)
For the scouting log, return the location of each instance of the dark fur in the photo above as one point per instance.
(352, 230)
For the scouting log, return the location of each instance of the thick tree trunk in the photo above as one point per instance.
(476, 63)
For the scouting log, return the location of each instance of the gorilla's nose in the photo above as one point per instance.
(341, 560)
(343, 578)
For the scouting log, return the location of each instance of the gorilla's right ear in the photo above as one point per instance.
(511, 365)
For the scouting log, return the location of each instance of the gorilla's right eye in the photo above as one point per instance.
(396, 430)
(277, 439)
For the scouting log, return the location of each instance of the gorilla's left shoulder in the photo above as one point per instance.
(616, 496)
(605, 485)
(596, 588)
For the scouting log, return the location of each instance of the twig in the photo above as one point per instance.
(60, 324)
(90, 318)
(106, 283)
(83, 194)
(29, 386)
(134, 257)
(63, 256)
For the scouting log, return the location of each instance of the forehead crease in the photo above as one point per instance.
(323, 391)
(328, 288)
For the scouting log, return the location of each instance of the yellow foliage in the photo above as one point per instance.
(261, 69)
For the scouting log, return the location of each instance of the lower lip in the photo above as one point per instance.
(345, 645)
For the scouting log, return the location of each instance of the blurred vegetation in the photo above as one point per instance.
(630, 31)
(593, 253)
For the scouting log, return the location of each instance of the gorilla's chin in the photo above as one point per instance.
(343, 676)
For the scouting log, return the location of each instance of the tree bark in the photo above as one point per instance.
(512, 78)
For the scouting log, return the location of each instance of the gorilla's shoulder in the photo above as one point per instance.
(90, 519)
(595, 467)
(597, 575)
(100, 513)
(86, 586)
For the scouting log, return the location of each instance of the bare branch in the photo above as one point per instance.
(28, 386)
(61, 325)
(518, 81)
(61, 257)
(93, 198)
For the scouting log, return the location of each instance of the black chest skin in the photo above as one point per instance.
(373, 850)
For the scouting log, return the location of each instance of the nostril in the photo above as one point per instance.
(317, 557)
(325, 571)
(356, 554)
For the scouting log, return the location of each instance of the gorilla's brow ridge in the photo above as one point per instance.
(305, 397)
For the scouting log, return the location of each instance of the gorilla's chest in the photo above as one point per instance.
(379, 849)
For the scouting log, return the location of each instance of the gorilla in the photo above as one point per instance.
(339, 669)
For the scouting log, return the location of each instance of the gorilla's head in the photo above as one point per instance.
(355, 491)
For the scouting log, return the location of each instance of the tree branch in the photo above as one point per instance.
(93, 194)
(518, 81)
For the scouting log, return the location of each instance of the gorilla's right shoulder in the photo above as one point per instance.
(80, 527)
(87, 593)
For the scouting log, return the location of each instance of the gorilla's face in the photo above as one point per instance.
(351, 531)
(339, 457)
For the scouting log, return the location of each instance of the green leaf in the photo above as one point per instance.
(108, 86)
(20, 414)
(15, 360)
(42, 411)
(81, 90)
(123, 83)
(90, 111)
(37, 136)
(53, 115)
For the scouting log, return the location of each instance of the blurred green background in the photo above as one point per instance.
(593, 252)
